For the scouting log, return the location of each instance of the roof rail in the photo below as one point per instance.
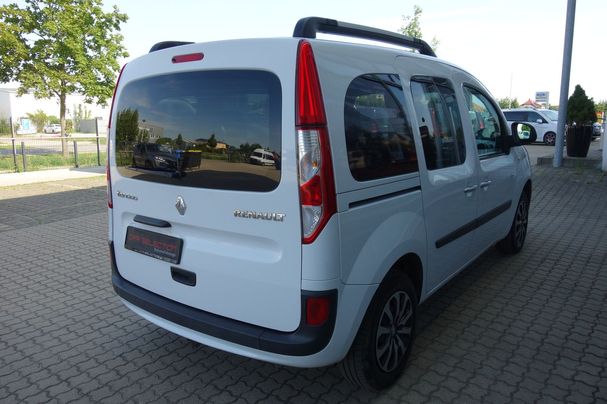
(308, 28)
(167, 44)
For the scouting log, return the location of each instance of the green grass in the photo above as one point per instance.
(45, 161)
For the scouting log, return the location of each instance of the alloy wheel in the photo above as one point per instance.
(394, 331)
(520, 222)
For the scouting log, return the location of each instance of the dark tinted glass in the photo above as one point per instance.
(513, 116)
(440, 124)
(209, 129)
(378, 134)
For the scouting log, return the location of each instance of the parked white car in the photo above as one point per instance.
(545, 122)
(394, 171)
(597, 129)
(53, 128)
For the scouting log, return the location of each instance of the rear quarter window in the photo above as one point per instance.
(379, 140)
(200, 129)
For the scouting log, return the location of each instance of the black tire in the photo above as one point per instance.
(378, 355)
(550, 138)
(515, 239)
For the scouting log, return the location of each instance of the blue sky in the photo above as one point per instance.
(514, 47)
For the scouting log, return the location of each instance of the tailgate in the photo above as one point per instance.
(207, 227)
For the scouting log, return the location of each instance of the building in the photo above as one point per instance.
(17, 107)
(531, 104)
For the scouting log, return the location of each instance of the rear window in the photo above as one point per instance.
(200, 129)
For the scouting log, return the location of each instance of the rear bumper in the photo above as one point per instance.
(305, 340)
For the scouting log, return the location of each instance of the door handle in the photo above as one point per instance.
(485, 184)
(469, 189)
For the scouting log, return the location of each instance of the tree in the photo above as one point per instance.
(59, 47)
(580, 108)
(246, 149)
(5, 127)
(413, 29)
(212, 141)
(80, 113)
(127, 129)
(179, 143)
(39, 118)
(508, 102)
(601, 106)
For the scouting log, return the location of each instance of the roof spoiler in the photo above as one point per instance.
(168, 44)
(308, 28)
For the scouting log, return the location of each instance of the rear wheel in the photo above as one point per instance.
(515, 239)
(383, 344)
(550, 138)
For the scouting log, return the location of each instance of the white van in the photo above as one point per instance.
(395, 171)
(262, 157)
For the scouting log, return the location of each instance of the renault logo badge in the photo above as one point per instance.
(180, 205)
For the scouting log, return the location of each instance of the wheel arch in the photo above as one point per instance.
(527, 188)
(409, 264)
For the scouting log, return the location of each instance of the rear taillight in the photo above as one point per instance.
(109, 124)
(110, 203)
(316, 183)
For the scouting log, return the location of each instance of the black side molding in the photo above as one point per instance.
(305, 340)
(167, 44)
(362, 202)
(470, 226)
(308, 28)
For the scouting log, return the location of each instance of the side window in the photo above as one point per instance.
(378, 133)
(485, 122)
(440, 124)
(516, 116)
(534, 116)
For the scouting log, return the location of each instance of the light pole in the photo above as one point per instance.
(566, 72)
(604, 143)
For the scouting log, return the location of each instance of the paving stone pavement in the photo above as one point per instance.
(525, 328)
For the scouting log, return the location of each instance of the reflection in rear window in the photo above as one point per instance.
(202, 129)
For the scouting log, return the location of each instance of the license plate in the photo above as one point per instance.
(153, 244)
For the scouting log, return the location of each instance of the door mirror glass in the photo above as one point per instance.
(526, 134)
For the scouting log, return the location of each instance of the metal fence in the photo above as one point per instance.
(30, 153)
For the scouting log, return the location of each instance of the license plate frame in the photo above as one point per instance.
(153, 244)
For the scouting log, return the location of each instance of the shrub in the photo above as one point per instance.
(580, 108)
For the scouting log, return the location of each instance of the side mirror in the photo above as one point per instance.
(539, 120)
(526, 134)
